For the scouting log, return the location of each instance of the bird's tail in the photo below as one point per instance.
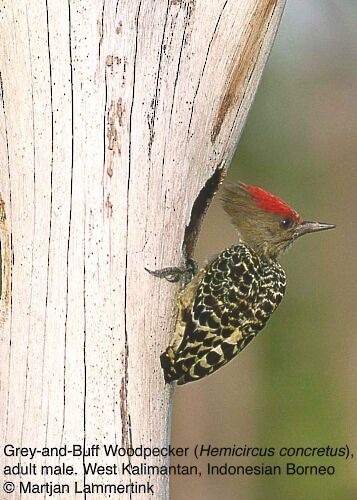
(167, 360)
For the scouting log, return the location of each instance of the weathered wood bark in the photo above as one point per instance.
(113, 117)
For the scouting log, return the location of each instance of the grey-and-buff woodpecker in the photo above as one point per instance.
(228, 302)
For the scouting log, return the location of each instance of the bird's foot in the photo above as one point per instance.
(175, 274)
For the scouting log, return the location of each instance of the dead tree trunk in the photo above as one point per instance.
(115, 117)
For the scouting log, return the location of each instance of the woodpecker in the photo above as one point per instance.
(228, 302)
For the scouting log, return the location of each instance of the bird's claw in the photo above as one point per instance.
(175, 274)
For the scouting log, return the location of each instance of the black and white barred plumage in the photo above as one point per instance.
(221, 311)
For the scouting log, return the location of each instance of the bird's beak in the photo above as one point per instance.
(310, 227)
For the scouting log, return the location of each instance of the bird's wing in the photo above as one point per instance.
(222, 317)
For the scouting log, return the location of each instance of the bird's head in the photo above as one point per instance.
(265, 222)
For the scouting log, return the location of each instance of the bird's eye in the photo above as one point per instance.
(286, 223)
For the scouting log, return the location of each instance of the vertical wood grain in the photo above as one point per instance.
(113, 115)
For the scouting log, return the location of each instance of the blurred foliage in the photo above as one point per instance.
(296, 385)
(282, 149)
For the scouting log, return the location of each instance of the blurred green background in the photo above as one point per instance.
(296, 384)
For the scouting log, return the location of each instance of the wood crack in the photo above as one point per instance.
(70, 218)
(250, 77)
(215, 31)
(84, 346)
(33, 230)
(124, 404)
(249, 54)
(152, 117)
(7, 258)
(51, 198)
(186, 24)
(199, 209)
